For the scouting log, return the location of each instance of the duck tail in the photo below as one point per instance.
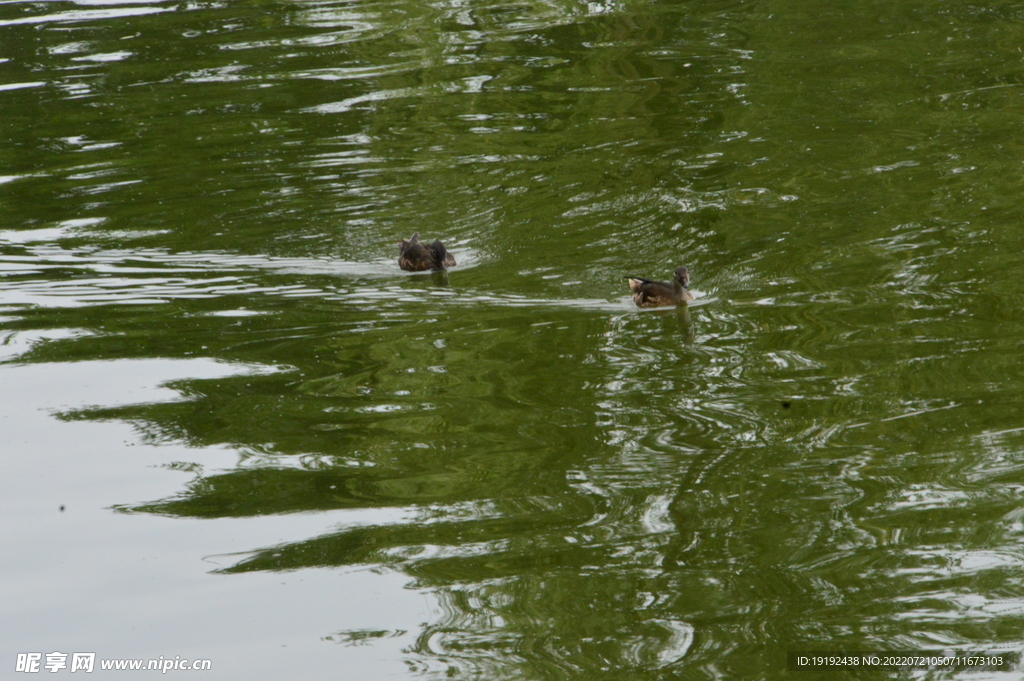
(635, 283)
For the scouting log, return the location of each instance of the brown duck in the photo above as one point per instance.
(416, 257)
(647, 293)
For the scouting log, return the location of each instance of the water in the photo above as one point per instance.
(234, 430)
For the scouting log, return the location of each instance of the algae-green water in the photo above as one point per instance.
(234, 430)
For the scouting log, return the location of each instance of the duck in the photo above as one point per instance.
(416, 257)
(647, 293)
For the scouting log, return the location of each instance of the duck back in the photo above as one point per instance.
(650, 293)
(416, 257)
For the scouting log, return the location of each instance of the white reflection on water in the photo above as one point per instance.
(971, 606)
(86, 15)
(14, 344)
(112, 383)
(655, 649)
(20, 86)
(378, 96)
(145, 276)
(59, 564)
(104, 56)
(657, 518)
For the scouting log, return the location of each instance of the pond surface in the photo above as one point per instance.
(234, 430)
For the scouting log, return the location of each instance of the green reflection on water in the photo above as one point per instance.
(824, 452)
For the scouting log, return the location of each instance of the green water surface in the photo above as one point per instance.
(237, 431)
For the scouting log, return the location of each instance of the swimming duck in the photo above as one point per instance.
(415, 257)
(647, 293)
